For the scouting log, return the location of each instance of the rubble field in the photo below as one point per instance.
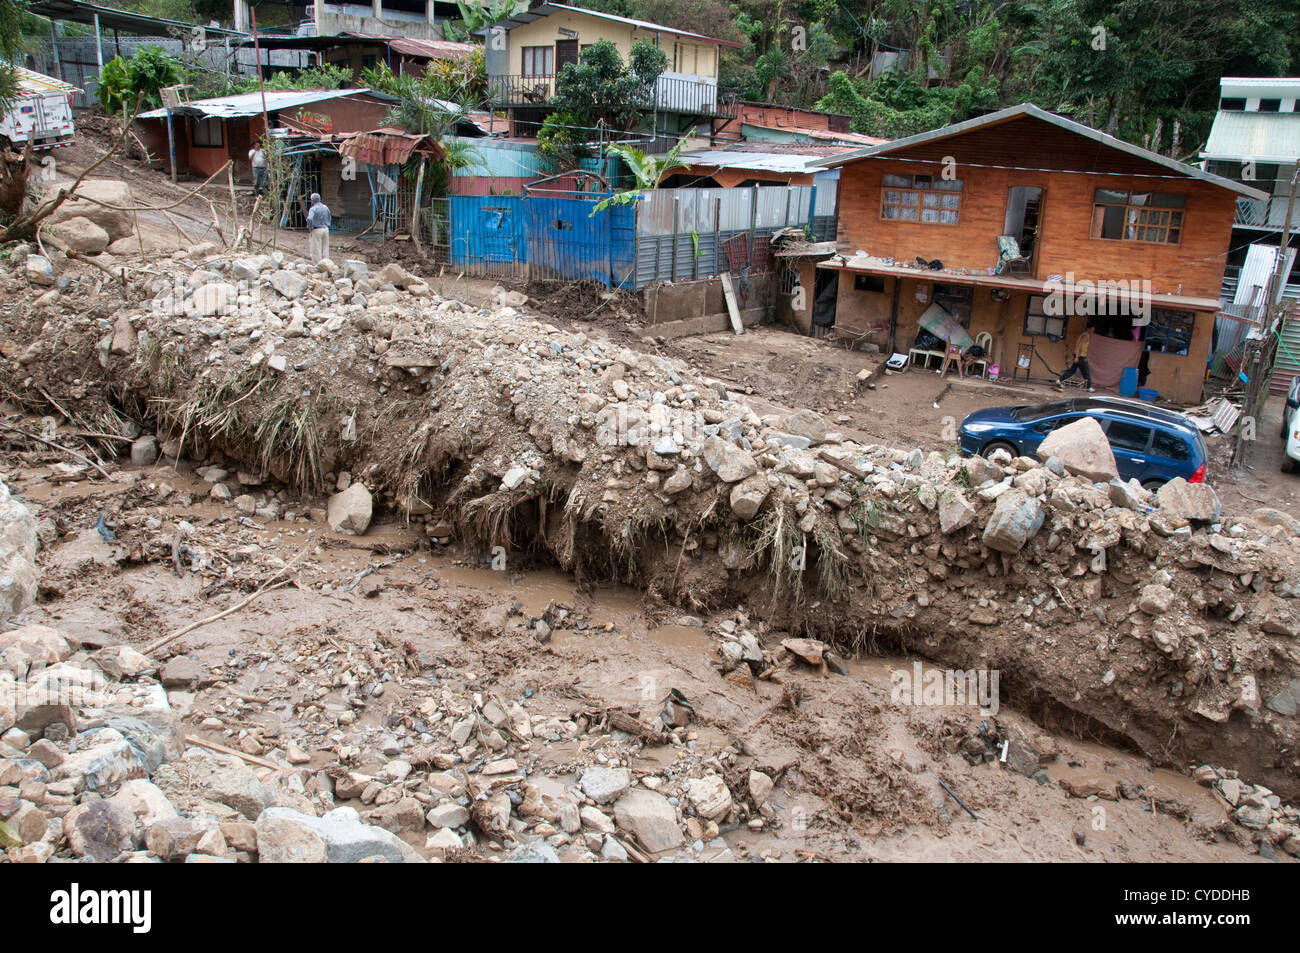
(493, 589)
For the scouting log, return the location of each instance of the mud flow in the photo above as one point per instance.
(338, 562)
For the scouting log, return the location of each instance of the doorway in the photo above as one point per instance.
(825, 290)
(566, 51)
(1024, 214)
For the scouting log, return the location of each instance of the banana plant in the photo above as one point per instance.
(647, 170)
(475, 16)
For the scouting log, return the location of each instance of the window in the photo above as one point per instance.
(1170, 446)
(1155, 217)
(1047, 426)
(868, 283)
(1270, 105)
(1126, 436)
(1170, 332)
(957, 300)
(920, 198)
(1041, 318)
(539, 60)
(1233, 103)
(207, 133)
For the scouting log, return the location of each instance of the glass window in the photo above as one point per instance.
(1151, 217)
(920, 198)
(1168, 445)
(207, 133)
(1041, 319)
(539, 60)
(1128, 436)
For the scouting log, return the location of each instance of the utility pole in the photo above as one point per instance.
(1261, 361)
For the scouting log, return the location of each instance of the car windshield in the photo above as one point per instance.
(1039, 411)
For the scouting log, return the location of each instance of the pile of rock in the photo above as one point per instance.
(1271, 823)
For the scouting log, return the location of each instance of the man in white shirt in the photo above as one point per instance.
(318, 225)
(257, 156)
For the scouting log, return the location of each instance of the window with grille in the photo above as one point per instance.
(1170, 331)
(926, 199)
(1152, 217)
(539, 60)
(1042, 318)
(207, 133)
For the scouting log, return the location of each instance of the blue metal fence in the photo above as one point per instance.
(488, 234)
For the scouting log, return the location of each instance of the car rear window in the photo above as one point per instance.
(1039, 411)
(1128, 436)
(1170, 445)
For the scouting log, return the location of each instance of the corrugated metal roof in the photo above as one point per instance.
(545, 9)
(1078, 128)
(798, 162)
(250, 104)
(412, 46)
(851, 137)
(1265, 137)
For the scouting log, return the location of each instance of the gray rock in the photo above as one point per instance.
(1190, 501)
(99, 830)
(1015, 519)
(347, 839)
(448, 815)
(1082, 448)
(748, 495)
(954, 511)
(351, 510)
(605, 785)
(648, 817)
(17, 556)
(538, 852)
(217, 777)
(286, 840)
(144, 451)
(288, 283)
(728, 461)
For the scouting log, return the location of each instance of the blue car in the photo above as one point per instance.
(1150, 445)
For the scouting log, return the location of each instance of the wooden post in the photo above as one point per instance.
(415, 210)
(171, 142)
(99, 47)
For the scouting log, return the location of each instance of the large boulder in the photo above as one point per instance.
(1083, 450)
(350, 511)
(1189, 501)
(1015, 519)
(285, 834)
(728, 461)
(81, 235)
(17, 556)
(650, 818)
(112, 199)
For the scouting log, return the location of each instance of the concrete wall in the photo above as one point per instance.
(698, 307)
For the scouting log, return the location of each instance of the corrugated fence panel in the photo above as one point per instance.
(488, 231)
(566, 241)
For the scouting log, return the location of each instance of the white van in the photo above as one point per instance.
(40, 113)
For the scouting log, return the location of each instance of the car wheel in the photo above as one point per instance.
(997, 445)
(1288, 465)
(1152, 485)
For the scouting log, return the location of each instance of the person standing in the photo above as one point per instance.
(1080, 360)
(257, 156)
(318, 225)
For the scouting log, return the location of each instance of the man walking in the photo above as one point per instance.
(257, 156)
(318, 223)
(1080, 361)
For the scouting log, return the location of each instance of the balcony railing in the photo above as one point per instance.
(1265, 213)
(673, 92)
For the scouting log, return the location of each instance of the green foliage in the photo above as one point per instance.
(474, 16)
(895, 105)
(647, 172)
(327, 76)
(561, 141)
(599, 88)
(149, 70)
(425, 103)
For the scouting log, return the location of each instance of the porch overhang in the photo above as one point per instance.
(1073, 288)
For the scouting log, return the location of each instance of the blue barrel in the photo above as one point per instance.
(1128, 382)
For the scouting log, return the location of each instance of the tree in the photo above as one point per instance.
(647, 172)
(142, 77)
(600, 89)
(476, 15)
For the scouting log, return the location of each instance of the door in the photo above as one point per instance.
(825, 288)
(1170, 457)
(1024, 214)
(566, 51)
(1129, 442)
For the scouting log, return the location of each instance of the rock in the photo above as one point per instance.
(1155, 600)
(347, 839)
(728, 461)
(806, 424)
(1082, 448)
(492, 813)
(144, 451)
(350, 511)
(404, 814)
(81, 235)
(39, 270)
(288, 283)
(284, 840)
(954, 511)
(1287, 701)
(595, 819)
(760, 787)
(748, 495)
(17, 556)
(180, 672)
(123, 340)
(650, 818)
(679, 481)
(709, 796)
(99, 830)
(392, 274)
(443, 841)
(145, 801)
(110, 209)
(448, 815)
(213, 298)
(1255, 817)
(217, 777)
(103, 759)
(174, 838)
(1190, 501)
(122, 661)
(1015, 519)
(538, 852)
(605, 785)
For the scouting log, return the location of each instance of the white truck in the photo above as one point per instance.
(40, 113)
